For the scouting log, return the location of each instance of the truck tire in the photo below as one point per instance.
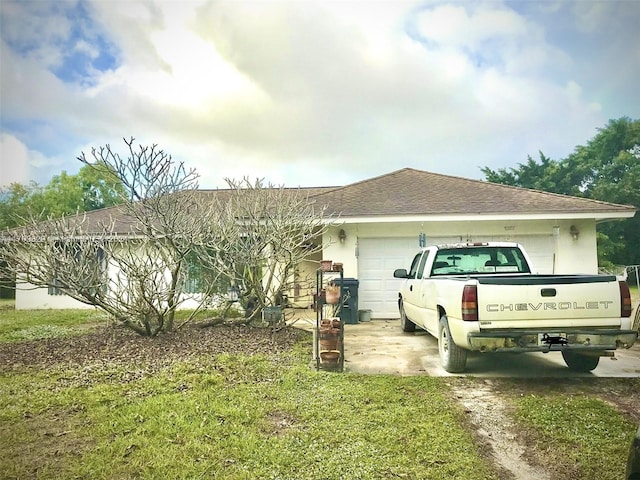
(452, 357)
(580, 363)
(406, 324)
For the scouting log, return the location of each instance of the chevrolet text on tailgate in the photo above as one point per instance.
(483, 297)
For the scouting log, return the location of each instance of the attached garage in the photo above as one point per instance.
(379, 257)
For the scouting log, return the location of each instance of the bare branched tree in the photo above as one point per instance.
(262, 234)
(133, 263)
(133, 260)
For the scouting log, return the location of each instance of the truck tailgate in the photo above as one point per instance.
(539, 301)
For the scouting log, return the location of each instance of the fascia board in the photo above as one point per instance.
(478, 217)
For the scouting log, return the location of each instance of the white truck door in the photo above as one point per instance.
(413, 297)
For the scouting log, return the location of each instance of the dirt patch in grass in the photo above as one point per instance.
(49, 437)
(491, 417)
(279, 423)
(53, 438)
(116, 344)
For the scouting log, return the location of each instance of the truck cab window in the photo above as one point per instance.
(414, 265)
(423, 261)
(485, 260)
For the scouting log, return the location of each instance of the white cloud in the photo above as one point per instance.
(85, 47)
(455, 25)
(15, 164)
(310, 92)
(19, 163)
(35, 28)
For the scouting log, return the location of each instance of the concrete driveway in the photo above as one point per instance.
(380, 346)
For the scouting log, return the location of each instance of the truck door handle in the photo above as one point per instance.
(548, 292)
(411, 288)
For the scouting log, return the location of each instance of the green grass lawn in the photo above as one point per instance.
(578, 430)
(260, 416)
(232, 417)
(17, 325)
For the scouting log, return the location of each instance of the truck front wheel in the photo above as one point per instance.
(452, 357)
(579, 362)
(406, 324)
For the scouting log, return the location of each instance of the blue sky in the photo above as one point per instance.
(307, 93)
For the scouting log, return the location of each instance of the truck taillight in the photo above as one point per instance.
(625, 299)
(470, 303)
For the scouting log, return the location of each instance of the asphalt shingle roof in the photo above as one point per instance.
(416, 192)
(409, 192)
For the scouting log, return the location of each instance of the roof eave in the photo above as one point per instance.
(475, 217)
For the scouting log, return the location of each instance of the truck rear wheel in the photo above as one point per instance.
(452, 357)
(406, 324)
(580, 362)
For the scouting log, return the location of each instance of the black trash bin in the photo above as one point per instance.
(349, 308)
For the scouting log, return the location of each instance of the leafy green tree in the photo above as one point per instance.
(15, 203)
(101, 186)
(95, 186)
(607, 168)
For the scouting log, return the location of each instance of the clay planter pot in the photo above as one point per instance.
(326, 265)
(333, 322)
(330, 359)
(329, 338)
(328, 344)
(332, 293)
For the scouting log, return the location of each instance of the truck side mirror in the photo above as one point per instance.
(400, 273)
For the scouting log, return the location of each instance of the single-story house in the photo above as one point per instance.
(383, 221)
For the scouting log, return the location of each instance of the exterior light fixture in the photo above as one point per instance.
(575, 233)
(342, 235)
(233, 293)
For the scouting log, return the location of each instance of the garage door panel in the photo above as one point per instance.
(540, 249)
(378, 258)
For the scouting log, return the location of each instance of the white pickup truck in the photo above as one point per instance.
(484, 297)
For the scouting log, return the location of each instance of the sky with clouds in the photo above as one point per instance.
(311, 93)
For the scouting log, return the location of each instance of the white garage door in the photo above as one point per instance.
(541, 251)
(379, 257)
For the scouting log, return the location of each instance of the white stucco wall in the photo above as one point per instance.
(28, 297)
(577, 256)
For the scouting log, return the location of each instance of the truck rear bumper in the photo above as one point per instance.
(530, 340)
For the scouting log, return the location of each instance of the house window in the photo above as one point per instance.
(55, 288)
(78, 259)
(199, 278)
(192, 284)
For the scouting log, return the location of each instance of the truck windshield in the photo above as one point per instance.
(479, 260)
